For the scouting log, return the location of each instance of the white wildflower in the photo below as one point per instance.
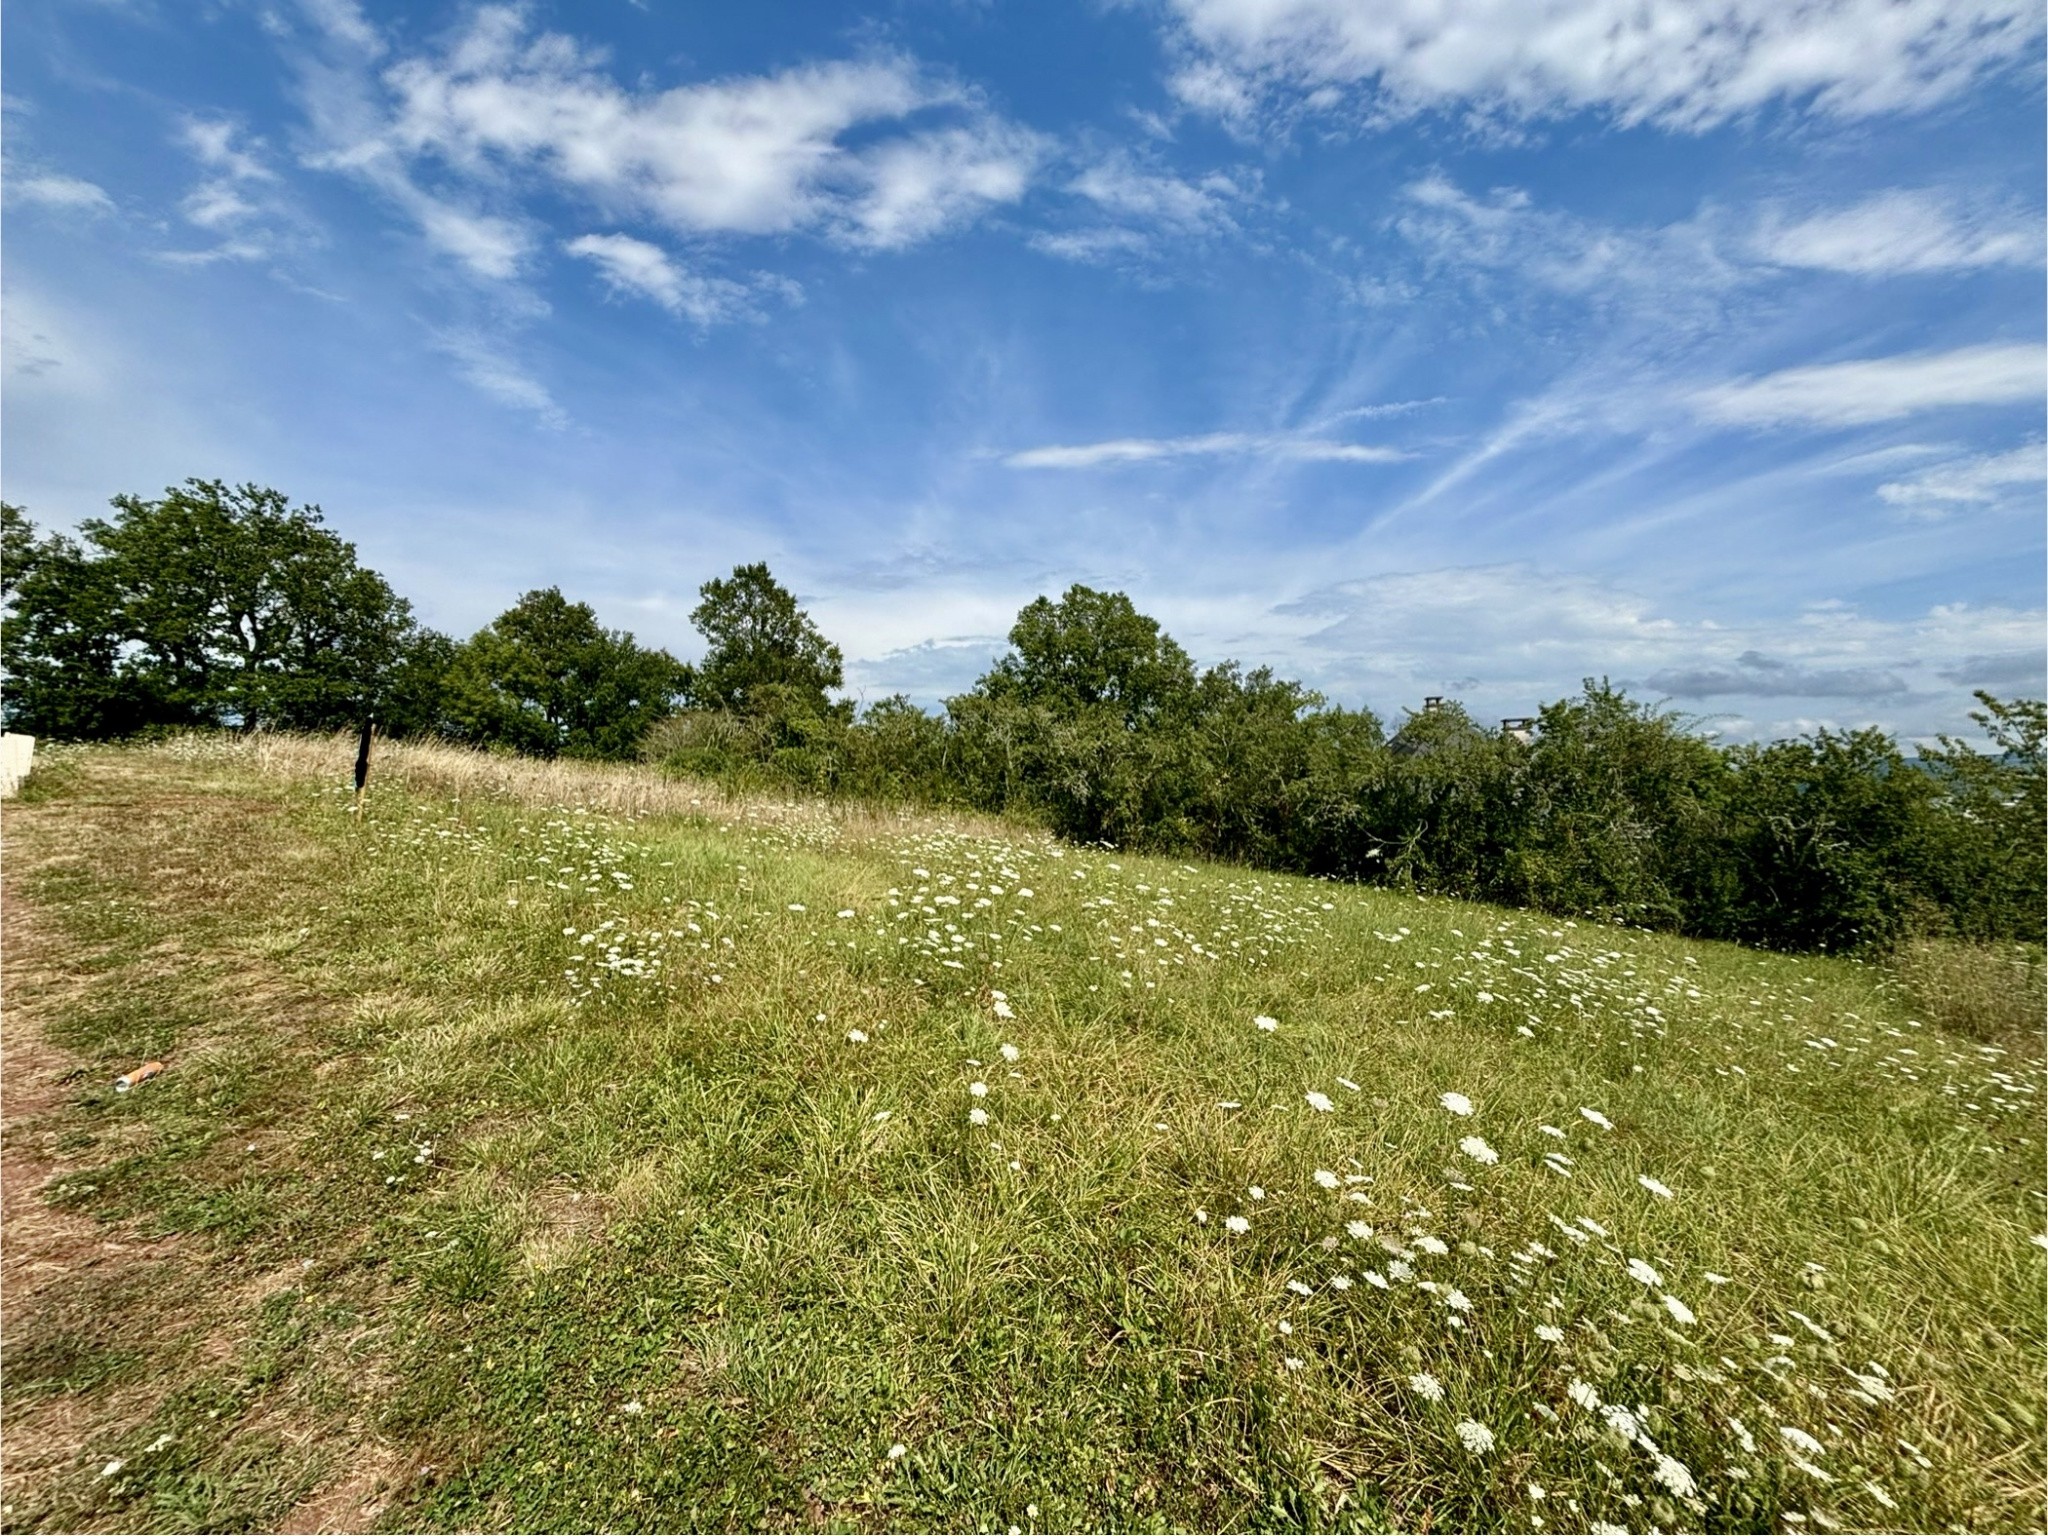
(1475, 1147)
(1675, 1475)
(1428, 1386)
(978, 1089)
(1236, 1224)
(1265, 1024)
(898, 1451)
(1359, 1230)
(1456, 1103)
(1881, 1496)
(1551, 1130)
(1008, 1052)
(1201, 1217)
(1256, 1192)
(1678, 1309)
(1582, 1394)
(857, 1036)
(1661, 1191)
(1638, 1270)
(1002, 1009)
(112, 1467)
(1597, 1118)
(1328, 1179)
(1340, 1282)
(1475, 1437)
(1714, 1279)
(977, 1116)
(1320, 1102)
(1293, 1363)
(1300, 1288)
(1550, 1333)
(1800, 1440)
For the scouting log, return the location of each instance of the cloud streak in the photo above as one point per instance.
(1877, 389)
(1672, 63)
(1150, 450)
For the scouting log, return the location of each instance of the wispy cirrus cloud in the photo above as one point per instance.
(631, 266)
(1898, 231)
(1978, 481)
(1671, 63)
(1878, 389)
(71, 194)
(483, 361)
(1150, 450)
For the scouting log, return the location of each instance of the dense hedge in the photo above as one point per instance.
(1097, 726)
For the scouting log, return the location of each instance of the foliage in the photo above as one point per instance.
(1096, 725)
(765, 656)
(544, 677)
(211, 605)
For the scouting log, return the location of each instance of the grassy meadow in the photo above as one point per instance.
(559, 1148)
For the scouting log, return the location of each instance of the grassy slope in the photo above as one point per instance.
(444, 1207)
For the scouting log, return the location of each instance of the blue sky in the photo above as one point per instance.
(1411, 347)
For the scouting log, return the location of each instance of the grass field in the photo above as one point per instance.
(559, 1148)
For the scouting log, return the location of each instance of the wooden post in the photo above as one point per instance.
(362, 763)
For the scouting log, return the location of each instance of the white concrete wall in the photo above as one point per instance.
(16, 752)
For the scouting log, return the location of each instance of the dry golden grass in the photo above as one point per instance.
(622, 789)
(1997, 993)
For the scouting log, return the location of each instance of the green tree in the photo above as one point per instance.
(545, 678)
(1093, 649)
(1622, 816)
(765, 655)
(1992, 822)
(211, 605)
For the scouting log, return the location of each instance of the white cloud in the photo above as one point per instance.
(1510, 637)
(1878, 389)
(1985, 480)
(746, 155)
(212, 142)
(1125, 191)
(635, 266)
(1092, 244)
(920, 186)
(1676, 63)
(1143, 450)
(1895, 232)
(483, 362)
(71, 193)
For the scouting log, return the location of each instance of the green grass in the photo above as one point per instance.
(627, 1232)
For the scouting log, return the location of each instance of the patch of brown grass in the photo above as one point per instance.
(622, 789)
(1995, 993)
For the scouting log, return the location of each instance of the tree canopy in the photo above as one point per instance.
(544, 677)
(211, 605)
(765, 656)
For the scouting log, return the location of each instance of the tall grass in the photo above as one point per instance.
(630, 1158)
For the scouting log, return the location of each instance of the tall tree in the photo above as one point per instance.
(212, 604)
(545, 677)
(1093, 648)
(765, 653)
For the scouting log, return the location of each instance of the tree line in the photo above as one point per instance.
(224, 606)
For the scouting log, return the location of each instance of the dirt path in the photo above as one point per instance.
(87, 1365)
